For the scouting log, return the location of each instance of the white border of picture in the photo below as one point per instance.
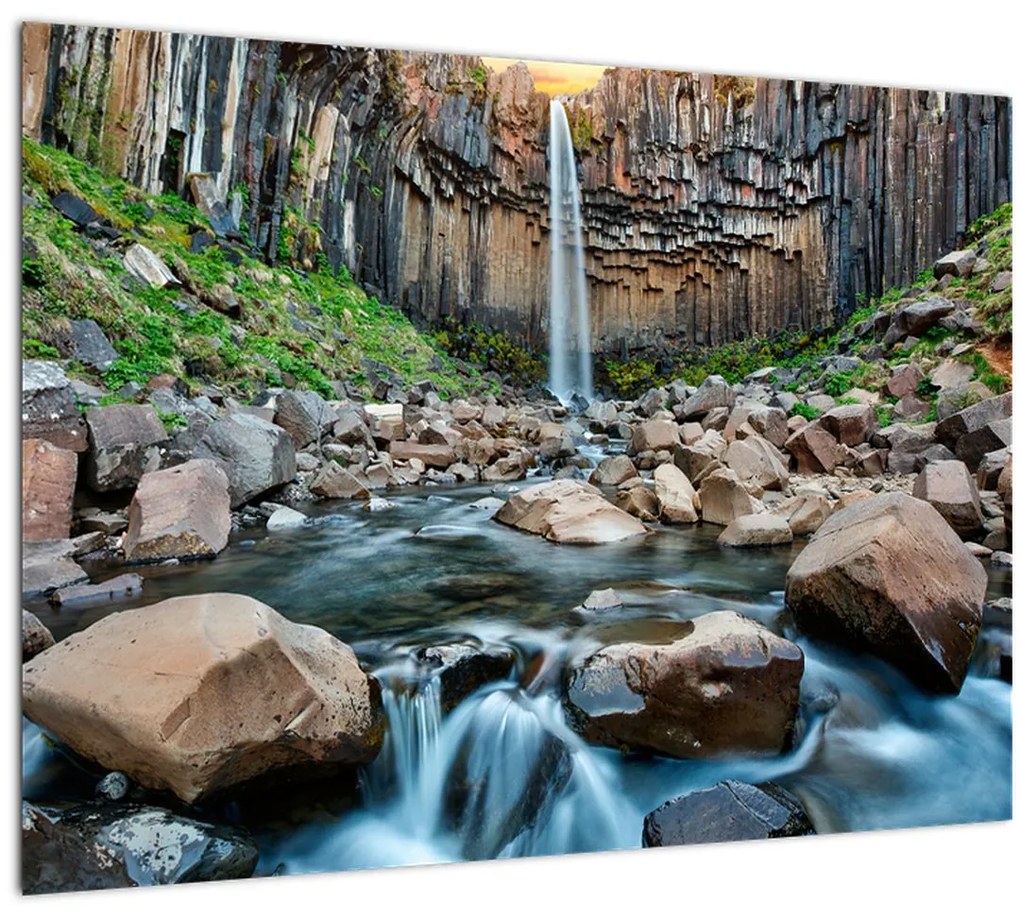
(943, 871)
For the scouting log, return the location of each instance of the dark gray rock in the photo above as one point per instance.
(104, 846)
(49, 409)
(76, 209)
(463, 667)
(730, 811)
(956, 264)
(305, 415)
(125, 442)
(35, 636)
(86, 343)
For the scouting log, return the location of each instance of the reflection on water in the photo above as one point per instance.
(502, 774)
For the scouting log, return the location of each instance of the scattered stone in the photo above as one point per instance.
(948, 487)
(48, 566)
(180, 512)
(126, 442)
(148, 267)
(35, 636)
(102, 521)
(814, 449)
(336, 482)
(757, 463)
(305, 415)
(115, 588)
(653, 436)
(695, 460)
(48, 477)
(612, 471)
(257, 455)
(723, 498)
(386, 422)
(725, 684)
(1001, 281)
(903, 380)
(951, 374)
(956, 264)
(76, 209)
(639, 501)
(86, 343)
(889, 574)
(49, 408)
(1001, 559)
(378, 505)
(463, 668)
(729, 811)
(285, 518)
(433, 455)
(810, 512)
(677, 499)
(566, 511)
(714, 392)
(74, 847)
(978, 551)
(212, 692)
(756, 529)
(601, 600)
(851, 425)
(487, 505)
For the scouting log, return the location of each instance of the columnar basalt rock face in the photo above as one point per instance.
(714, 207)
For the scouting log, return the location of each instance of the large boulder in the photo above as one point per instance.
(724, 497)
(678, 501)
(181, 512)
(49, 407)
(433, 455)
(305, 415)
(725, 685)
(256, 455)
(729, 811)
(949, 488)
(757, 463)
(48, 476)
(69, 848)
(756, 529)
(125, 441)
(568, 511)
(889, 575)
(714, 392)
(979, 429)
(613, 470)
(851, 425)
(211, 692)
(814, 449)
(652, 436)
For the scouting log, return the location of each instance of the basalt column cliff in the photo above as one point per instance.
(714, 207)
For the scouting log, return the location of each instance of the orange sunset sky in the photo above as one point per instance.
(551, 77)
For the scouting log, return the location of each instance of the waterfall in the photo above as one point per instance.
(569, 334)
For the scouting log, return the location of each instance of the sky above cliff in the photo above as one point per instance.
(552, 77)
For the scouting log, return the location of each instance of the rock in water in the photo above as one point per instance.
(35, 636)
(568, 511)
(104, 846)
(756, 529)
(462, 668)
(182, 512)
(726, 684)
(211, 692)
(889, 575)
(730, 811)
(613, 470)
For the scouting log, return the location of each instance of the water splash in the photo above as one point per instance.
(570, 370)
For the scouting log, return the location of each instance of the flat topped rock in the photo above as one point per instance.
(568, 511)
(200, 694)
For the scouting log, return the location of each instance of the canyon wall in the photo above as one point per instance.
(714, 207)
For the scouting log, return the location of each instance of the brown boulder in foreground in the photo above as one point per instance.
(567, 511)
(200, 694)
(725, 684)
(890, 576)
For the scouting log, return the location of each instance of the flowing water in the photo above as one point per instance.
(570, 371)
(502, 774)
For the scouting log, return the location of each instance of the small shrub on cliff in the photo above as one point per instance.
(804, 410)
(633, 378)
(491, 350)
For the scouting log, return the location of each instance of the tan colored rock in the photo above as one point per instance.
(35, 636)
(210, 692)
(639, 501)
(678, 501)
(851, 425)
(386, 421)
(814, 448)
(808, 515)
(612, 471)
(723, 685)
(180, 512)
(48, 477)
(653, 436)
(568, 511)
(757, 463)
(723, 498)
(949, 488)
(756, 529)
(853, 497)
(889, 574)
(508, 468)
(336, 482)
(434, 455)
(694, 459)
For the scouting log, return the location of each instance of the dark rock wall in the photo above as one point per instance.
(715, 207)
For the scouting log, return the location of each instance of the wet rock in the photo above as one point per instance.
(115, 588)
(462, 668)
(256, 455)
(49, 408)
(148, 267)
(601, 600)
(714, 392)
(956, 264)
(613, 470)
(48, 566)
(653, 436)
(724, 685)
(757, 463)
(756, 529)
(305, 415)
(486, 504)
(851, 425)
(889, 575)
(378, 505)
(678, 501)
(48, 477)
(949, 488)
(35, 636)
(336, 482)
(723, 498)
(814, 449)
(113, 787)
(729, 811)
(125, 442)
(73, 847)
(572, 512)
(213, 691)
(180, 512)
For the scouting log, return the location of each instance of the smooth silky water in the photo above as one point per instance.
(502, 774)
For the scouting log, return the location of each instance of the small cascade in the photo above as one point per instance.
(570, 371)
